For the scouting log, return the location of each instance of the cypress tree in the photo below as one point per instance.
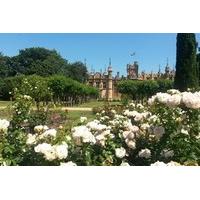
(198, 66)
(186, 64)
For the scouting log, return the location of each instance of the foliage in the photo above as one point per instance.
(7, 86)
(165, 132)
(43, 62)
(37, 88)
(43, 89)
(77, 71)
(70, 91)
(5, 69)
(140, 90)
(38, 61)
(21, 110)
(186, 64)
(198, 66)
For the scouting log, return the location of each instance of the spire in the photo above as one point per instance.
(159, 70)
(109, 61)
(167, 61)
(105, 70)
(109, 67)
(85, 62)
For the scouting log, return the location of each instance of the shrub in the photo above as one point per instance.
(163, 133)
(140, 90)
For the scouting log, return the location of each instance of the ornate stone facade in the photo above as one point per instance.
(107, 83)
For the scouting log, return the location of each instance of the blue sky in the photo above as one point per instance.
(151, 50)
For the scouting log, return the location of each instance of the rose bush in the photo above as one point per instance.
(164, 132)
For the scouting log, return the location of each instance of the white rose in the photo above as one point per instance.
(174, 100)
(50, 132)
(158, 131)
(172, 164)
(162, 97)
(173, 91)
(125, 164)
(83, 119)
(132, 104)
(40, 128)
(61, 151)
(31, 139)
(138, 117)
(145, 126)
(27, 97)
(131, 135)
(113, 111)
(145, 153)
(120, 152)
(191, 100)
(4, 124)
(183, 131)
(84, 133)
(159, 164)
(198, 136)
(125, 134)
(167, 153)
(151, 100)
(134, 128)
(47, 150)
(70, 163)
(131, 144)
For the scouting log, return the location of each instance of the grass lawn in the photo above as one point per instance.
(4, 111)
(93, 104)
(5, 103)
(5, 114)
(74, 116)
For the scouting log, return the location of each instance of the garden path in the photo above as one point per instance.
(65, 108)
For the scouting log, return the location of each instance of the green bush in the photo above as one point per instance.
(7, 86)
(66, 90)
(140, 90)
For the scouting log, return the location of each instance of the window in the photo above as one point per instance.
(97, 84)
(104, 85)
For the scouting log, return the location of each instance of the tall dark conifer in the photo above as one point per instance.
(186, 63)
(198, 66)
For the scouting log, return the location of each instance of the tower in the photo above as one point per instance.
(132, 70)
(110, 83)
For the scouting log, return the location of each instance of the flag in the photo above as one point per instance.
(132, 54)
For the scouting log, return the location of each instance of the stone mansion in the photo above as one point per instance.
(107, 83)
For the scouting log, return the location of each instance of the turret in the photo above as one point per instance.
(110, 83)
(132, 70)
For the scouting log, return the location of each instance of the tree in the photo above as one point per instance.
(7, 86)
(77, 71)
(141, 90)
(5, 69)
(67, 90)
(198, 65)
(39, 61)
(186, 66)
